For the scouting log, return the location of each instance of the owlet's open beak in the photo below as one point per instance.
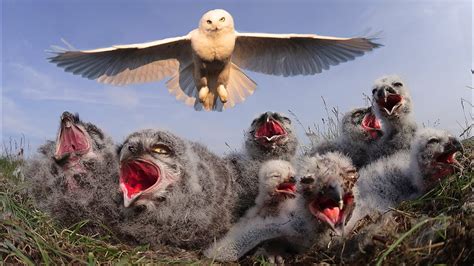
(72, 139)
(136, 178)
(333, 207)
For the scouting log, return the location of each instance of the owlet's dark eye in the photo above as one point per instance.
(397, 84)
(286, 119)
(307, 180)
(222, 19)
(433, 141)
(373, 91)
(209, 21)
(357, 114)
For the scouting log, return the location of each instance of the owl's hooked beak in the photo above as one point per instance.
(333, 207)
(72, 139)
(389, 100)
(270, 130)
(128, 200)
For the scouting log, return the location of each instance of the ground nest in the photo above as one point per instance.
(436, 228)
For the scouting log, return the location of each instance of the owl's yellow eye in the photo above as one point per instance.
(222, 19)
(161, 149)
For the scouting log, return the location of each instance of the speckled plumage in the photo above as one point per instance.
(398, 124)
(188, 212)
(75, 190)
(248, 162)
(404, 175)
(299, 228)
(354, 140)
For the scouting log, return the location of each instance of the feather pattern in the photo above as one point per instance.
(296, 54)
(128, 64)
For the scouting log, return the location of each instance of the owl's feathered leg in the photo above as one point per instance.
(222, 81)
(222, 92)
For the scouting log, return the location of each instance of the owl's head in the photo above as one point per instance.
(215, 21)
(326, 182)
(150, 161)
(361, 124)
(391, 98)
(77, 141)
(277, 179)
(271, 136)
(434, 151)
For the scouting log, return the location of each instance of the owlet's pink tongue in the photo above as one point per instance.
(332, 214)
(72, 139)
(269, 129)
(138, 176)
(370, 121)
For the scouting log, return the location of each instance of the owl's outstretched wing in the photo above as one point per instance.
(296, 54)
(126, 64)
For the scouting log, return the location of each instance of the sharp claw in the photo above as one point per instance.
(203, 92)
(222, 92)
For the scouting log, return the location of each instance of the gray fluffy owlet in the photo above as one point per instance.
(405, 175)
(358, 131)
(276, 188)
(76, 177)
(392, 104)
(270, 136)
(186, 192)
(323, 204)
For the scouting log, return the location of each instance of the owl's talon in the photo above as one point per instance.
(222, 92)
(203, 92)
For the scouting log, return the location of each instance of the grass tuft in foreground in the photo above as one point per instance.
(436, 228)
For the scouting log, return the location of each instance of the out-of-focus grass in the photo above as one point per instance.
(28, 236)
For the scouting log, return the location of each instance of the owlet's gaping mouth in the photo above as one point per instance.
(137, 176)
(288, 188)
(71, 140)
(270, 131)
(390, 103)
(372, 125)
(330, 211)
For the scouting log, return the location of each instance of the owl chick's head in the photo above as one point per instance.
(390, 97)
(326, 183)
(216, 20)
(361, 124)
(277, 179)
(77, 140)
(271, 136)
(150, 161)
(434, 151)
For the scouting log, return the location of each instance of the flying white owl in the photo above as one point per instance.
(205, 66)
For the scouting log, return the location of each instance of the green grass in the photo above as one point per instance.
(437, 228)
(446, 213)
(31, 237)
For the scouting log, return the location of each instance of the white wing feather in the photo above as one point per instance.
(296, 54)
(126, 64)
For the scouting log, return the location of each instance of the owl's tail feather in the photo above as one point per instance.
(239, 87)
(181, 85)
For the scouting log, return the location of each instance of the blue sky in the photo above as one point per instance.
(427, 43)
